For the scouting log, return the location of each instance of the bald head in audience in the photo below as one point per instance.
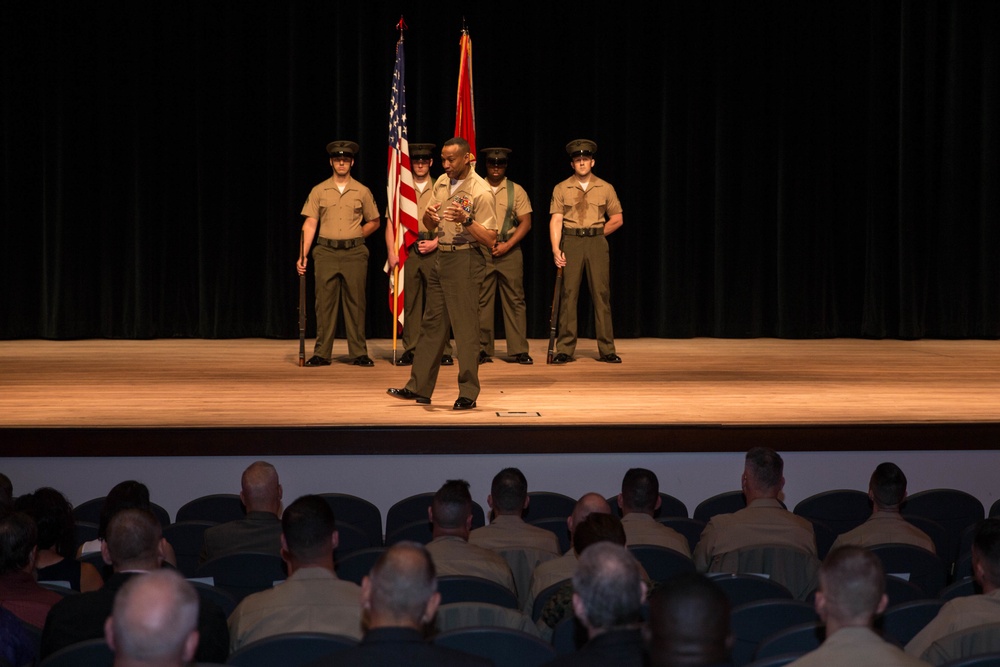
(401, 590)
(689, 623)
(260, 490)
(589, 503)
(154, 622)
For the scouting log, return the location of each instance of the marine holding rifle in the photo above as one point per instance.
(585, 210)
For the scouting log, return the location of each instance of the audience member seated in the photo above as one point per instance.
(19, 592)
(134, 546)
(508, 499)
(451, 520)
(564, 567)
(6, 492)
(400, 599)
(53, 516)
(639, 499)
(124, 496)
(154, 622)
(764, 521)
(887, 489)
(689, 624)
(966, 612)
(851, 593)
(608, 593)
(260, 531)
(312, 599)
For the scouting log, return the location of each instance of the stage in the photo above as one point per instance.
(249, 397)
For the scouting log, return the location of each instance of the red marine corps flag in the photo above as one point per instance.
(465, 110)
(402, 197)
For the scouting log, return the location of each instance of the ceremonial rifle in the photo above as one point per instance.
(554, 316)
(302, 307)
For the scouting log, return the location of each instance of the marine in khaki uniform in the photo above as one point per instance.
(505, 264)
(345, 214)
(585, 210)
(461, 213)
(420, 259)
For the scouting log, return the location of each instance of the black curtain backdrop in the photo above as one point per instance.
(789, 169)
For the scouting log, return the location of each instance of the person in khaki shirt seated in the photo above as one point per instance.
(508, 499)
(764, 521)
(887, 489)
(970, 611)
(451, 518)
(851, 592)
(639, 499)
(312, 599)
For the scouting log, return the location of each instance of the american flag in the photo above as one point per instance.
(465, 107)
(402, 196)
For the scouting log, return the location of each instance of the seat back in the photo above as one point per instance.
(691, 529)
(350, 538)
(557, 526)
(415, 507)
(800, 638)
(939, 536)
(475, 589)
(241, 574)
(548, 505)
(744, 588)
(776, 660)
(900, 591)
(222, 599)
(796, 570)
(959, 589)
(292, 649)
(505, 647)
(420, 531)
(90, 511)
(476, 614)
(661, 563)
(901, 623)
(963, 644)
(357, 565)
(753, 622)
(914, 564)
(359, 513)
(841, 509)
(722, 503)
(825, 537)
(982, 660)
(84, 531)
(951, 508)
(92, 653)
(186, 537)
(217, 508)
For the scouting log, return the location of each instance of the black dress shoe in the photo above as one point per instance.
(447, 360)
(464, 403)
(317, 360)
(405, 360)
(363, 360)
(562, 358)
(408, 395)
(524, 358)
(610, 359)
(484, 358)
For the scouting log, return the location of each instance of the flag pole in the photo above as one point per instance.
(397, 224)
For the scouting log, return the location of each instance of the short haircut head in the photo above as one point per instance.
(133, 538)
(18, 536)
(452, 504)
(986, 545)
(53, 516)
(640, 490)
(463, 145)
(689, 622)
(765, 467)
(125, 495)
(153, 616)
(852, 581)
(509, 490)
(308, 525)
(888, 485)
(609, 583)
(598, 528)
(402, 581)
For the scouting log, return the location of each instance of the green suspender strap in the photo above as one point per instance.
(508, 219)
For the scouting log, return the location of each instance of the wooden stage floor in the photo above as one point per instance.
(248, 396)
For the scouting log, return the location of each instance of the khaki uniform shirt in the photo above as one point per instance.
(549, 573)
(508, 532)
(958, 614)
(478, 197)
(584, 208)
(857, 647)
(522, 205)
(644, 529)
(885, 528)
(762, 522)
(340, 216)
(313, 599)
(453, 556)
